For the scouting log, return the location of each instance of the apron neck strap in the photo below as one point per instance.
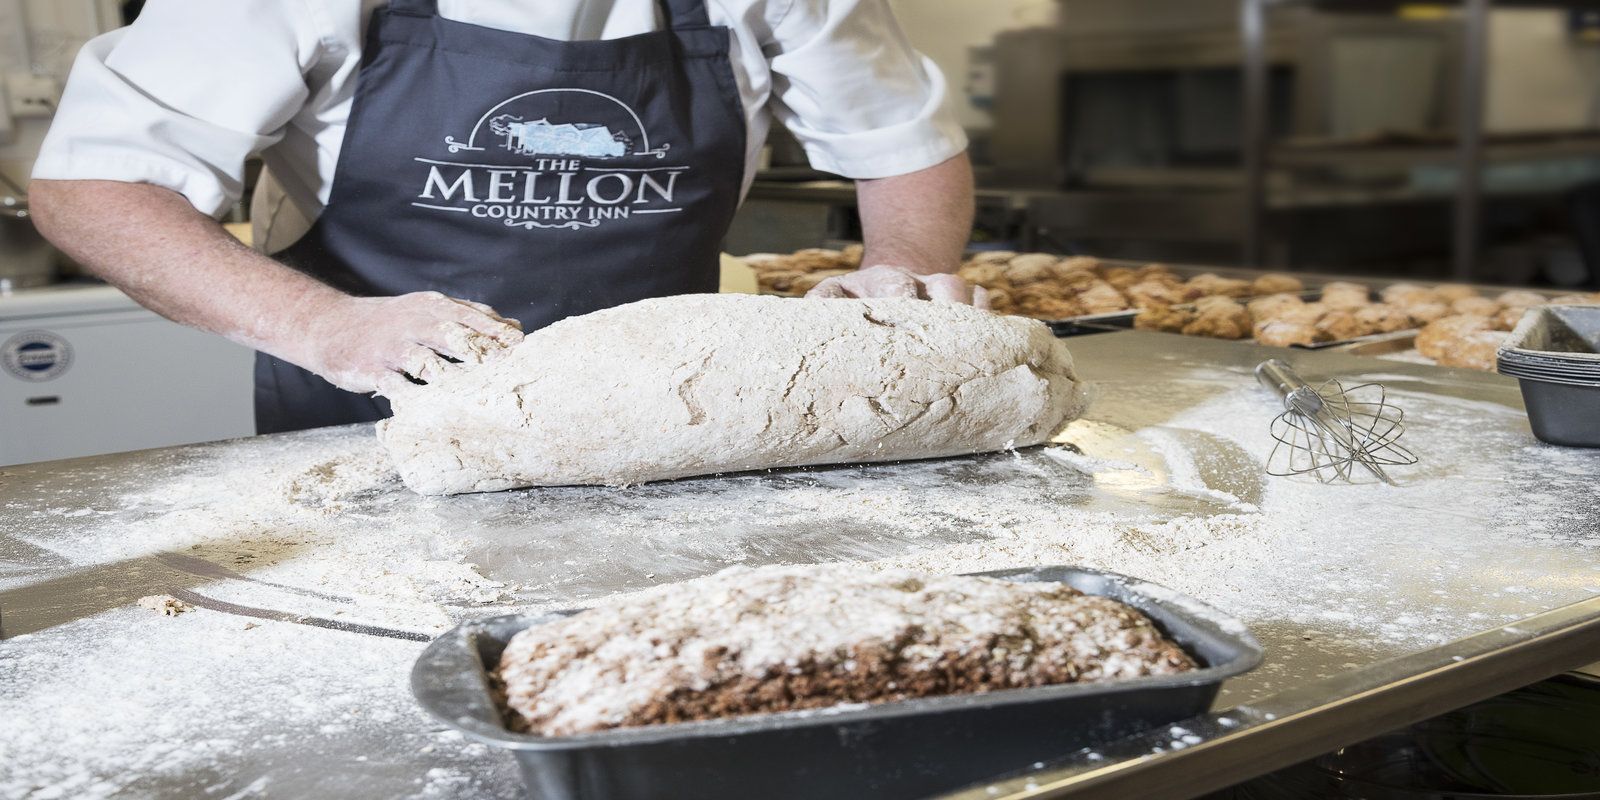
(685, 13)
(415, 8)
(677, 13)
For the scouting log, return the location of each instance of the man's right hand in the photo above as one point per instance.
(181, 264)
(368, 344)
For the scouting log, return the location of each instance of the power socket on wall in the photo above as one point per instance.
(29, 95)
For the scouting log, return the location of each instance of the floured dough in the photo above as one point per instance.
(697, 384)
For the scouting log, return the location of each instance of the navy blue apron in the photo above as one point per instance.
(545, 178)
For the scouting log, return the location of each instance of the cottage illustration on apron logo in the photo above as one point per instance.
(568, 162)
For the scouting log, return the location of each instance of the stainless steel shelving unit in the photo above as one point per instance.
(1470, 146)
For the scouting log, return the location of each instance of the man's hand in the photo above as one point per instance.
(915, 227)
(369, 344)
(184, 266)
(886, 281)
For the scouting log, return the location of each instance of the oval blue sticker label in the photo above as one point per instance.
(36, 355)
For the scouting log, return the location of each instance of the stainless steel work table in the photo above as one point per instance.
(1377, 605)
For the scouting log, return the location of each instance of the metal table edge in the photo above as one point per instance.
(1279, 730)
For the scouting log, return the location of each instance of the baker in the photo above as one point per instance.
(439, 170)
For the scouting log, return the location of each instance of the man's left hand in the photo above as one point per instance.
(887, 281)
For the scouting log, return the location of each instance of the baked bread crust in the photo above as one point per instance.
(776, 639)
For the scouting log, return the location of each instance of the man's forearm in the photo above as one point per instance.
(921, 220)
(152, 244)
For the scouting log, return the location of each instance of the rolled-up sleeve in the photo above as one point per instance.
(183, 97)
(859, 98)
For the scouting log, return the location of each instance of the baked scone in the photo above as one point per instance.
(850, 255)
(1475, 306)
(1167, 319)
(992, 257)
(1274, 306)
(987, 275)
(815, 258)
(776, 281)
(1210, 284)
(808, 281)
(1451, 292)
(1340, 324)
(1507, 318)
(1153, 293)
(1305, 314)
(1276, 333)
(751, 641)
(1101, 298)
(1074, 282)
(1219, 318)
(1345, 286)
(1088, 264)
(1444, 334)
(1400, 293)
(1121, 277)
(1424, 311)
(1475, 350)
(1346, 295)
(1517, 298)
(1275, 282)
(1030, 268)
(1158, 272)
(1046, 306)
(1382, 318)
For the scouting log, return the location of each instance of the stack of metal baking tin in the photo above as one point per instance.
(1555, 354)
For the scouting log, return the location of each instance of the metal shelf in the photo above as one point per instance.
(1495, 150)
(1469, 147)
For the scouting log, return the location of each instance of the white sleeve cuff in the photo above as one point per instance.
(925, 136)
(887, 153)
(203, 192)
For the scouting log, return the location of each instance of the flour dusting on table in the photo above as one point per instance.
(1329, 577)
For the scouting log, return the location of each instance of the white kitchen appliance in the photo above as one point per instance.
(84, 371)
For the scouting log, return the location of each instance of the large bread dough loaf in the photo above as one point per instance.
(698, 384)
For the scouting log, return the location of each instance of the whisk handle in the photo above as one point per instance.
(1279, 377)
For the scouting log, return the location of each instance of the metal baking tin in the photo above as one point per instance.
(1555, 355)
(892, 750)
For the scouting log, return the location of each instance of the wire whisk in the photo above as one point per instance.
(1328, 431)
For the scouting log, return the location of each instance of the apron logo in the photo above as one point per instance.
(562, 159)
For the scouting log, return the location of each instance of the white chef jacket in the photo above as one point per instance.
(183, 96)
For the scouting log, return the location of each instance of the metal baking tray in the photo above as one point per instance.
(1314, 281)
(893, 750)
(1123, 320)
(1370, 345)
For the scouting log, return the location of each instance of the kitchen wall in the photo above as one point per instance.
(1540, 78)
(38, 41)
(945, 29)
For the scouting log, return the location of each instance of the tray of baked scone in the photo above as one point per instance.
(1449, 324)
(1478, 322)
(1044, 286)
(828, 680)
